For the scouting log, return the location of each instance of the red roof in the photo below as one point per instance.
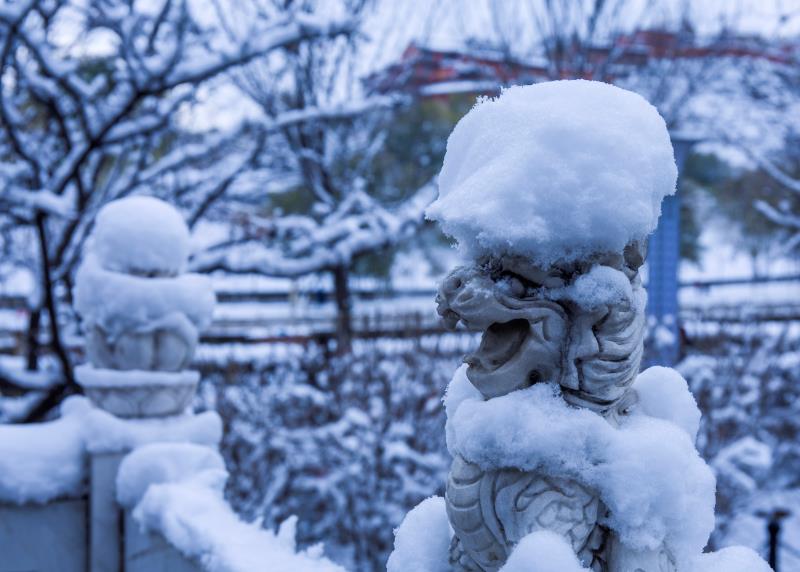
(426, 72)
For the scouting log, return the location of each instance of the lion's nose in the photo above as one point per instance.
(451, 285)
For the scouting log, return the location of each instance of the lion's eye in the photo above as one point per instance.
(516, 287)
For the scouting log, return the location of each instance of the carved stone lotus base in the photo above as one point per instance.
(136, 393)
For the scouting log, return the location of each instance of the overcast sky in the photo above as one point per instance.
(447, 22)
(393, 24)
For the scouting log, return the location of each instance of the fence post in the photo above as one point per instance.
(141, 318)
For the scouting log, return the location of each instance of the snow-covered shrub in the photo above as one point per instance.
(299, 439)
(746, 380)
(347, 444)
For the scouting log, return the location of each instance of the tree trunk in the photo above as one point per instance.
(55, 394)
(32, 339)
(344, 324)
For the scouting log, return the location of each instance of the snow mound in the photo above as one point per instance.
(141, 235)
(44, 461)
(120, 302)
(543, 551)
(664, 394)
(105, 433)
(177, 490)
(647, 472)
(422, 541)
(163, 463)
(555, 171)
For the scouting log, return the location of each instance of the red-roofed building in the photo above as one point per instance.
(430, 73)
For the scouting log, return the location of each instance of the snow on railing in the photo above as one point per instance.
(176, 489)
(42, 462)
(133, 444)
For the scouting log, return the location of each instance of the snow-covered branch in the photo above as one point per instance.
(780, 218)
(131, 94)
(297, 245)
(776, 173)
(97, 109)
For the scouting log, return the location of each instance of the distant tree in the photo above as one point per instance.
(80, 129)
(730, 91)
(334, 211)
(776, 199)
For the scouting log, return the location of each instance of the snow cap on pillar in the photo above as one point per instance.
(141, 235)
(555, 171)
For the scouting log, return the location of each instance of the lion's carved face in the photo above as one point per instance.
(530, 337)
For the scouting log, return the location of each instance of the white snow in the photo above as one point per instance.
(543, 551)
(664, 394)
(141, 235)
(601, 286)
(177, 490)
(130, 279)
(120, 302)
(555, 171)
(647, 472)
(44, 461)
(105, 433)
(422, 541)
(162, 463)
(422, 544)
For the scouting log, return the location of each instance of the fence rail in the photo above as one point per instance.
(257, 318)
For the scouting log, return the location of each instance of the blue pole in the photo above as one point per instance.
(663, 260)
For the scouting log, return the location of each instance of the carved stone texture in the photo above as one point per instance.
(139, 394)
(140, 313)
(534, 332)
(160, 349)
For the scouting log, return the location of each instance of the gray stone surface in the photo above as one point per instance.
(44, 538)
(138, 394)
(105, 516)
(161, 349)
(145, 552)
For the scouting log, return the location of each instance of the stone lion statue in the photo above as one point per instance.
(533, 332)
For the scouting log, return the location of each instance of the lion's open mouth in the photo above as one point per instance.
(500, 342)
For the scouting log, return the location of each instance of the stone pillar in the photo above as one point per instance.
(141, 316)
(105, 516)
(551, 191)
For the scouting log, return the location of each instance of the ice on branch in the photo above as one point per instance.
(555, 171)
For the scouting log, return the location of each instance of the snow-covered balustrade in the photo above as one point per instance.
(566, 458)
(128, 478)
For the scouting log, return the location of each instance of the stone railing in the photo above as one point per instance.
(128, 478)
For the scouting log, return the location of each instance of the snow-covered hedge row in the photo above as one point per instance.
(349, 445)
